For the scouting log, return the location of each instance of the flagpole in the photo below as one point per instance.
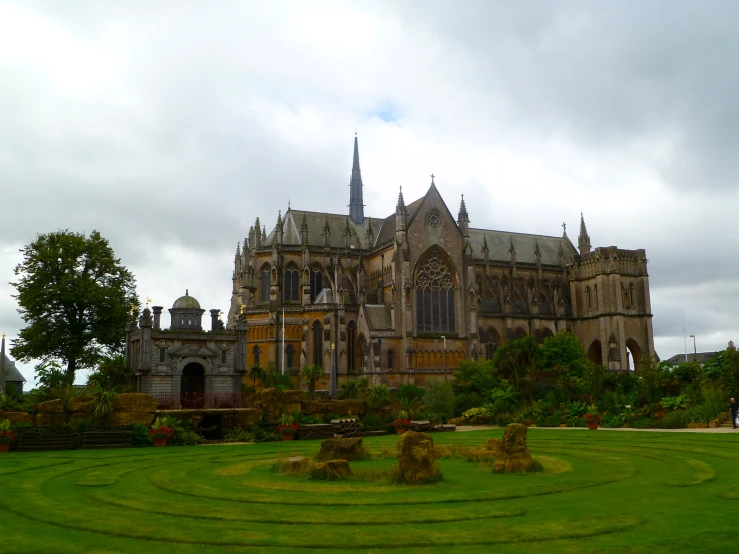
(283, 341)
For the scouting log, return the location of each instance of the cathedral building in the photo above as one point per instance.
(407, 297)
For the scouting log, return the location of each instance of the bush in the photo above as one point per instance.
(259, 434)
(503, 419)
(410, 392)
(140, 435)
(466, 401)
(237, 434)
(551, 421)
(674, 420)
(301, 419)
(439, 398)
(372, 421)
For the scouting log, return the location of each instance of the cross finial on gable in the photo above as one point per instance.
(432, 178)
(564, 228)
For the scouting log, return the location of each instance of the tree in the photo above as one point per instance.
(563, 349)
(75, 297)
(256, 372)
(311, 374)
(519, 361)
(112, 372)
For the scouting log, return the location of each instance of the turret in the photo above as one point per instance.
(401, 218)
(463, 219)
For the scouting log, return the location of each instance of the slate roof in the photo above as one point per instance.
(293, 219)
(701, 357)
(378, 317)
(11, 372)
(499, 243)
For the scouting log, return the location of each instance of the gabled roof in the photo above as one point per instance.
(378, 317)
(701, 357)
(11, 372)
(316, 221)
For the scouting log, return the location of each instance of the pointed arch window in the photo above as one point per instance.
(595, 295)
(316, 283)
(435, 295)
(590, 300)
(351, 345)
(289, 354)
(631, 295)
(317, 343)
(265, 286)
(290, 284)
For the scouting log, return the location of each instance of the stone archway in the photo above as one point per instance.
(633, 355)
(595, 352)
(192, 386)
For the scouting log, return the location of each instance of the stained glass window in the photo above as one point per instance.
(435, 295)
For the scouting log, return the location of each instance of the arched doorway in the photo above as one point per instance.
(192, 386)
(633, 355)
(595, 352)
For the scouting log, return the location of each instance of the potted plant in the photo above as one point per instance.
(287, 427)
(593, 417)
(401, 423)
(6, 435)
(160, 432)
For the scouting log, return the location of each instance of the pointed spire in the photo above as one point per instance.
(347, 233)
(400, 206)
(485, 244)
(356, 201)
(512, 249)
(537, 252)
(277, 237)
(583, 240)
(264, 234)
(304, 230)
(238, 249)
(463, 215)
(370, 234)
(326, 232)
(258, 232)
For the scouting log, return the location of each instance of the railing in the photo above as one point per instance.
(199, 400)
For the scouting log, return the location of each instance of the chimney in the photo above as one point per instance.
(157, 310)
(214, 319)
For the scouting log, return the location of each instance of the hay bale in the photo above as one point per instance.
(51, 407)
(488, 452)
(514, 454)
(457, 421)
(134, 402)
(292, 396)
(416, 457)
(442, 451)
(127, 418)
(79, 404)
(481, 419)
(330, 470)
(77, 418)
(18, 417)
(50, 420)
(341, 449)
(247, 417)
(297, 463)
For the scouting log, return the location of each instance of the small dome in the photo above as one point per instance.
(186, 302)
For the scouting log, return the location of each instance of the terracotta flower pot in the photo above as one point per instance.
(4, 446)
(287, 437)
(400, 430)
(160, 442)
(593, 426)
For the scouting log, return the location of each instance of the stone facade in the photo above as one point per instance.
(184, 359)
(406, 298)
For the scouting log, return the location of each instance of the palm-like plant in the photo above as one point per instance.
(363, 388)
(256, 372)
(310, 374)
(379, 397)
(348, 389)
(102, 400)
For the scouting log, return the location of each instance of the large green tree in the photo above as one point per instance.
(75, 297)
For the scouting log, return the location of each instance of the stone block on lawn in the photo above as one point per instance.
(457, 421)
(134, 402)
(514, 454)
(18, 417)
(330, 470)
(297, 463)
(79, 404)
(488, 452)
(416, 457)
(51, 420)
(51, 407)
(340, 449)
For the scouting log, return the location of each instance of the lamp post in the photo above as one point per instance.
(695, 350)
(444, 339)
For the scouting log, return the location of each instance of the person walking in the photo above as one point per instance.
(733, 409)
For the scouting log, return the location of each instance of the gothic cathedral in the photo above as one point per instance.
(407, 297)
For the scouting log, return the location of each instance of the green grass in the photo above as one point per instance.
(599, 491)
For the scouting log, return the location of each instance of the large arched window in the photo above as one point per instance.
(490, 339)
(290, 284)
(265, 286)
(435, 294)
(316, 283)
(351, 345)
(317, 343)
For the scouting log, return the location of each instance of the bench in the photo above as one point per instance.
(106, 437)
(421, 426)
(45, 438)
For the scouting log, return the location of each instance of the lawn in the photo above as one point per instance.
(602, 491)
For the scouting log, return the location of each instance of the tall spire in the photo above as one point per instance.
(356, 202)
(583, 240)
(400, 206)
(463, 215)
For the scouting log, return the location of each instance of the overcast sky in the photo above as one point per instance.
(169, 126)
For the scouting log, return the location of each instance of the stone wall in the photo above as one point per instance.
(275, 402)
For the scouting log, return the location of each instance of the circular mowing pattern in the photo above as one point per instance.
(228, 499)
